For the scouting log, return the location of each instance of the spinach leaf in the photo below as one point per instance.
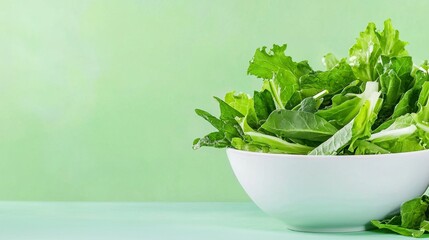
(240, 144)
(226, 125)
(395, 79)
(408, 102)
(333, 80)
(226, 111)
(214, 139)
(263, 105)
(299, 125)
(398, 229)
(277, 145)
(343, 113)
(274, 144)
(358, 128)
(413, 212)
(412, 221)
(347, 93)
(309, 104)
(227, 130)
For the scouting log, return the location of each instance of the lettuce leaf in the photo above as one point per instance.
(370, 45)
(358, 127)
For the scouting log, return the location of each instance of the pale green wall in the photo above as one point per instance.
(97, 97)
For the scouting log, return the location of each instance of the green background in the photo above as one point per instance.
(97, 97)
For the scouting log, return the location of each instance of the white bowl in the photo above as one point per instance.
(330, 193)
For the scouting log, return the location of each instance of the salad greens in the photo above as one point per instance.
(374, 101)
(413, 219)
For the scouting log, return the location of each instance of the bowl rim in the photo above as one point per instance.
(283, 155)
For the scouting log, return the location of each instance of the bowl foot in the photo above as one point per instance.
(327, 229)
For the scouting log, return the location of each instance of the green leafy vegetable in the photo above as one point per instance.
(395, 81)
(373, 101)
(330, 61)
(263, 105)
(401, 127)
(398, 229)
(227, 129)
(412, 221)
(280, 72)
(274, 144)
(344, 112)
(333, 80)
(370, 45)
(358, 128)
(413, 212)
(298, 125)
(242, 103)
(309, 104)
(366, 147)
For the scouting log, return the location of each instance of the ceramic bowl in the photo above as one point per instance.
(330, 193)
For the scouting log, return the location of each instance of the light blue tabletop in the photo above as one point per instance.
(151, 221)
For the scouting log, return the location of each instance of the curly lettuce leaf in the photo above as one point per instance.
(366, 147)
(329, 61)
(244, 104)
(370, 45)
(265, 64)
(282, 87)
(280, 73)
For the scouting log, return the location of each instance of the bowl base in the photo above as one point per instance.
(327, 229)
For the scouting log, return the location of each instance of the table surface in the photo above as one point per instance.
(152, 221)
